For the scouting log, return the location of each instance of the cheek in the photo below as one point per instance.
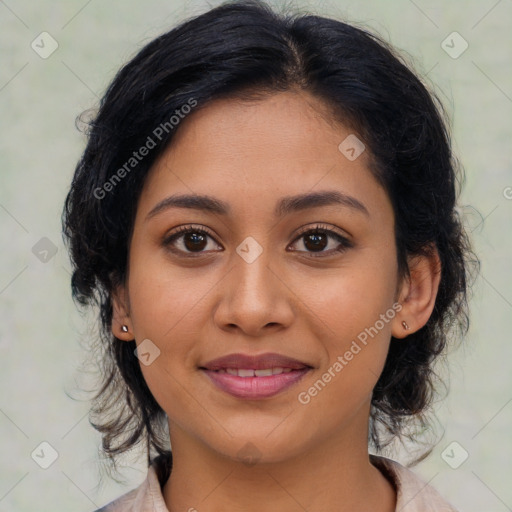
(350, 300)
(355, 312)
(165, 299)
(163, 312)
(354, 357)
(164, 308)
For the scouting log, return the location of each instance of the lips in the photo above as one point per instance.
(255, 377)
(261, 362)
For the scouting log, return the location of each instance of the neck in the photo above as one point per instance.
(207, 481)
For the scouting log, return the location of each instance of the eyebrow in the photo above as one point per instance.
(285, 205)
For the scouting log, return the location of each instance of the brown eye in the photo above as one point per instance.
(189, 239)
(194, 241)
(317, 240)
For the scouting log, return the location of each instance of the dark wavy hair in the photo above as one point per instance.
(246, 50)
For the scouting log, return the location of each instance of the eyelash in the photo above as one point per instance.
(344, 242)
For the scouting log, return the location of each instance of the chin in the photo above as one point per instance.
(259, 448)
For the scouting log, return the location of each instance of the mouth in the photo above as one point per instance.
(255, 377)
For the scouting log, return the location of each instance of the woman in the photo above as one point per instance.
(265, 216)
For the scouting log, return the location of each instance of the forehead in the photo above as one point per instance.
(265, 128)
(253, 153)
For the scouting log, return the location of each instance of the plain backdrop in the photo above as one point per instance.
(41, 332)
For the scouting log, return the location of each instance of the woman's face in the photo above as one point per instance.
(256, 284)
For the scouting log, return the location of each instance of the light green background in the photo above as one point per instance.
(40, 329)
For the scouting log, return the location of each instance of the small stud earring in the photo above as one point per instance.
(124, 328)
(405, 326)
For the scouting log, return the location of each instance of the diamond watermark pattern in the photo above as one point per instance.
(351, 147)
(147, 352)
(44, 45)
(44, 455)
(249, 454)
(454, 45)
(454, 455)
(249, 250)
(44, 250)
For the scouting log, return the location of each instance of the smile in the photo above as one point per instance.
(254, 384)
(244, 372)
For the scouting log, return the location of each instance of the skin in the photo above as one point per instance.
(292, 300)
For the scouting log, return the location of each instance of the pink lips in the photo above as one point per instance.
(254, 387)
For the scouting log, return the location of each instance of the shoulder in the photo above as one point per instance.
(146, 497)
(413, 494)
(122, 503)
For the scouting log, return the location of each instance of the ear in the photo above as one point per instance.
(121, 314)
(418, 293)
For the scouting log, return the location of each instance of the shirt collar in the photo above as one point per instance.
(413, 494)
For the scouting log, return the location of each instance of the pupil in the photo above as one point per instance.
(195, 239)
(315, 237)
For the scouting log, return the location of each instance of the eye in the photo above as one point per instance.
(317, 239)
(192, 240)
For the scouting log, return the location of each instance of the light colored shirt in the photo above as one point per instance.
(413, 494)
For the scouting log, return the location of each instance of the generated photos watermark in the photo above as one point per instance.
(304, 397)
(137, 156)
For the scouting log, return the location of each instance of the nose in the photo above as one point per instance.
(254, 299)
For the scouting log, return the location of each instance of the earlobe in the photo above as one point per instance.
(418, 294)
(121, 323)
